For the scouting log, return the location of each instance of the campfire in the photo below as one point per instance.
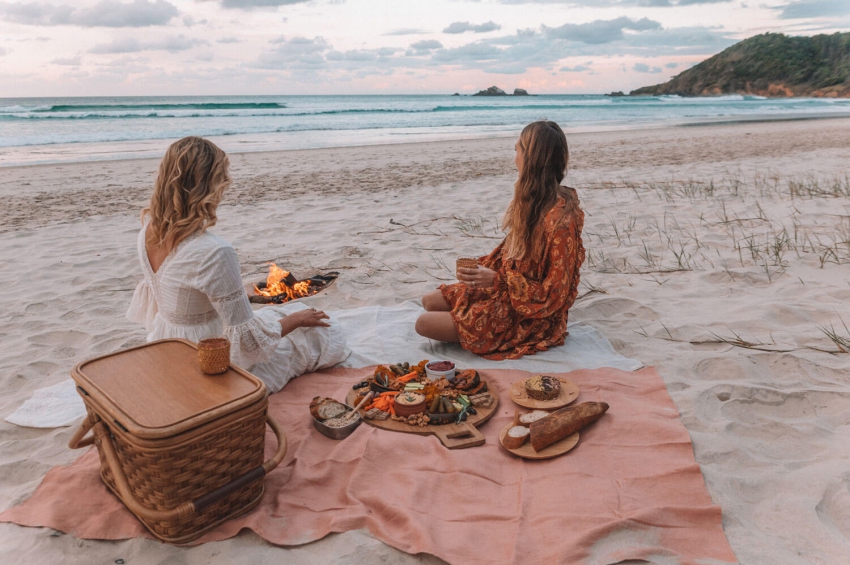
(281, 286)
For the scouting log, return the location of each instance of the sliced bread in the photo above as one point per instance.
(515, 437)
(530, 417)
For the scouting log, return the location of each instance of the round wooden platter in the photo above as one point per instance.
(569, 392)
(453, 436)
(527, 452)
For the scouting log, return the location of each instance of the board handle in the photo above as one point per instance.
(460, 436)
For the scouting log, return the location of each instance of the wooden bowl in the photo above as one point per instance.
(405, 409)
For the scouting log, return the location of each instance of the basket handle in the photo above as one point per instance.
(77, 440)
(187, 508)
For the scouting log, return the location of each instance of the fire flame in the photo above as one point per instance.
(276, 285)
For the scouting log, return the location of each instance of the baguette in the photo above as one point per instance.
(564, 422)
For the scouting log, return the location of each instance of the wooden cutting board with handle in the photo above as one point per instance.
(453, 436)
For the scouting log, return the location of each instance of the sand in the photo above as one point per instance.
(717, 253)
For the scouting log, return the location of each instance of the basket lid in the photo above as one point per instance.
(157, 390)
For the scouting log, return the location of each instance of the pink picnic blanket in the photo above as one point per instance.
(629, 490)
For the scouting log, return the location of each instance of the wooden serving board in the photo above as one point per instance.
(453, 436)
(569, 392)
(527, 452)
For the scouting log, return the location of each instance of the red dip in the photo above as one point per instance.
(441, 366)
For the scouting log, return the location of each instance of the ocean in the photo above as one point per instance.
(52, 130)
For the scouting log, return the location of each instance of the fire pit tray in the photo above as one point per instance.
(322, 281)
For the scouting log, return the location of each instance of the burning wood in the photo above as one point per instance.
(281, 286)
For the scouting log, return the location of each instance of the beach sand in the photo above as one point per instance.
(718, 254)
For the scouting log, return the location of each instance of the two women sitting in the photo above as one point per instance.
(513, 304)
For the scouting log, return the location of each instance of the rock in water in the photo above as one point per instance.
(520, 92)
(492, 91)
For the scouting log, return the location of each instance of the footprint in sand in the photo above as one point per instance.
(833, 510)
(69, 338)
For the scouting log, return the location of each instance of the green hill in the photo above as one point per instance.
(771, 64)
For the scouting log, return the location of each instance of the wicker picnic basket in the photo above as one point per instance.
(182, 450)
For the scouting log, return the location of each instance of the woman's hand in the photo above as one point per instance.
(480, 277)
(303, 319)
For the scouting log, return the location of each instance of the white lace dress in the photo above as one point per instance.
(197, 292)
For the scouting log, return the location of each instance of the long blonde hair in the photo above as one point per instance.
(189, 186)
(544, 166)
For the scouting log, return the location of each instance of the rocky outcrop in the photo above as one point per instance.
(496, 91)
(772, 65)
(492, 91)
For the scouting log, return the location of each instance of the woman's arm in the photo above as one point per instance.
(302, 319)
(251, 339)
(541, 299)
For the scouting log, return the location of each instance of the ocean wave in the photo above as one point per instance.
(141, 107)
(185, 111)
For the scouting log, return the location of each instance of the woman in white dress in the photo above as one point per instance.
(192, 286)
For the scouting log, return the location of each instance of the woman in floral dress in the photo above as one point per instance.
(516, 301)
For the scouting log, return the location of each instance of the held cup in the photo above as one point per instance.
(214, 355)
(466, 263)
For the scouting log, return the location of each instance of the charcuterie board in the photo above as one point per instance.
(453, 436)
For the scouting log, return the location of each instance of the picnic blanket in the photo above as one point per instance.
(375, 334)
(629, 490)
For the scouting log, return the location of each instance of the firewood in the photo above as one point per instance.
(564, 422)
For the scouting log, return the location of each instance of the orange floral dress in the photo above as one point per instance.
(525, 311)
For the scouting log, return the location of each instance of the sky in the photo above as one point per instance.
(250, 47)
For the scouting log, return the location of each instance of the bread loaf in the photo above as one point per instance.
(564, 422)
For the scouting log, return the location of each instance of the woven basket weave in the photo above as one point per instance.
(214, 355)
(172, 478)
(466, 263)
(183, 452)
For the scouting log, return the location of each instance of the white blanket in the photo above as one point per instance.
(375, 334)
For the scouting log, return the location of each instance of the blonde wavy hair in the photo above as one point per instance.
(544, 166)
(189, 186)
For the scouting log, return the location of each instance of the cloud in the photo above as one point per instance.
(189, 21)
(813, 9)
(671, 65)
(542, 47)
(406, 31)
(463, 27)
(4, 51)
(600, 31)
(69, 61)
(173, 44)
(229, 40)
(425, 46)
(295, 53)
(608, 3)
(106, 13)
(530, 48)
(250, 4)
(642, 68)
